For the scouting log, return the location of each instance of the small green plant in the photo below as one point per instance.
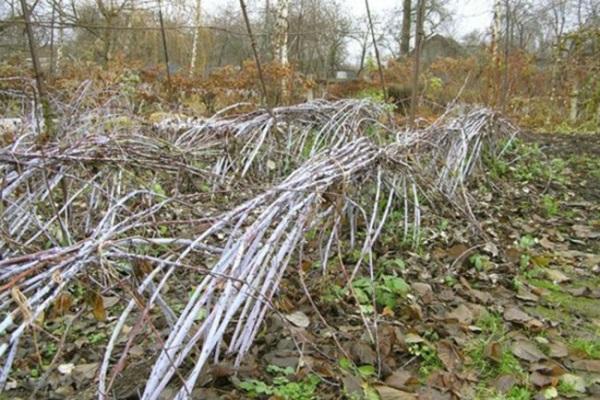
(388, 290)
(518, 393)
(567, 389)
(50, 350)
(491, 324)
(428, 356)
(480, 262)
(551, 205)
(96, 338)
(526, 242)
(590, 348)
(282, 386)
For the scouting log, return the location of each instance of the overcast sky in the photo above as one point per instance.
(468, 15)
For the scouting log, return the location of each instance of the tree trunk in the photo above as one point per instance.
(417, 60)
(506, 53)
(196, 38)
(46, 111)
(281, 41)
(405, 36)
(379, 65)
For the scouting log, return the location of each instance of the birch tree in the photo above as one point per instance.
(196, 37)
(281, 39)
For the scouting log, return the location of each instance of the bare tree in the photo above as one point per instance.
(405, 37)
(419, 34)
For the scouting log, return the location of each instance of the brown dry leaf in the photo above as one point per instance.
(557, 350)
(585, 232)
(415, 311)
(547, 244)
(62, 304)
(388, 393)
(423, 291)
(527, 351)
(505, 382)
(535, 325)
(587, 365)
(387, 312)
(412, 338)
(449, 355)
(541, 380)
(457, 250)
(22, 302)
(84, 372)
(513, 254)
(514, 314)
(526, 295)
(362, 353)
(549, 367)
(96, 301)
(462, 314)
(429, 393)
(402, 379)
(141, 268)
(299, 319)
(482, 297)
(493, 351)
(556, 276)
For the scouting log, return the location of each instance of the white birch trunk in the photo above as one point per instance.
(196, 38)
(281, 40)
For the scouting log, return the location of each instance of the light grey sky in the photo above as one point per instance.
(468, 14)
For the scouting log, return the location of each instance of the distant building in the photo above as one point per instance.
(439, 46)
(345, 73)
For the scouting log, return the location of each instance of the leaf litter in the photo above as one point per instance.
(485, 310)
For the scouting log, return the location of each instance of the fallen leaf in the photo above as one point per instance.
(505, 382)
(388, 393)
(457, 250)
(352, 386)
(449, 355)
(527, 351)
(557, 350)
(540, 380)
(299, 319)
(493, 351)
(96, 301)
(462, 314)
(401, 379)
(423, 291)
(587, 365)
(547, 244)
(526, 295)
(514, 314)
(66, 369)
(362, 353)
(84, 372)
(556, 276)
(412, 338)
(585, 232)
